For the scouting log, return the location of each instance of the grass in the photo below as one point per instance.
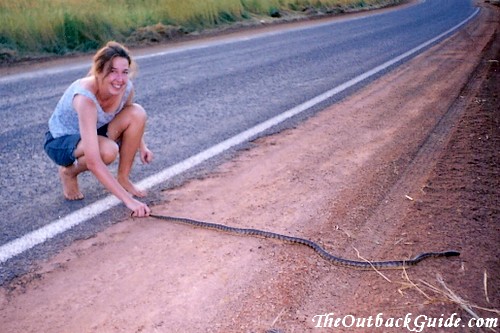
(66, 26)
(444, 294)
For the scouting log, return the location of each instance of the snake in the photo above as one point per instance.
(338, 261)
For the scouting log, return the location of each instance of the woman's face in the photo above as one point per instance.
(116, 80)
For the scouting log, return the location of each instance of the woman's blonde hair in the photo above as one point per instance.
(102, 59)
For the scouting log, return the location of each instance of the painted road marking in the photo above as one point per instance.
(30, 240)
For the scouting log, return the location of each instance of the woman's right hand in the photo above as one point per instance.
(138, 208)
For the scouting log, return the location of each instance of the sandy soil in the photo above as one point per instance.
(409, 164)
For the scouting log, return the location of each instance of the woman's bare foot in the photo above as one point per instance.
(131, 188)
(70, 184)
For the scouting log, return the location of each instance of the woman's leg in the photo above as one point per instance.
(69, 174)
(128, 127)
(69, 180)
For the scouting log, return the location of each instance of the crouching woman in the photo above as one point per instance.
(95, 121)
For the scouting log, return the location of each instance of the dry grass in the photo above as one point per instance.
(444, 294)
(61, 26)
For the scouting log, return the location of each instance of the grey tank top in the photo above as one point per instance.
(64, 119)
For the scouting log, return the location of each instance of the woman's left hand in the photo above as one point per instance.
(146, 155)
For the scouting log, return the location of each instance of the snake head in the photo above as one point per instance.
(451, 253)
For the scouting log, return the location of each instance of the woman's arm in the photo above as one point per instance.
(145, 154)
(87, 117)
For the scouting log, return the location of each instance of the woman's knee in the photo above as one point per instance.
(131, 118)
(108, 149)
(137, 113)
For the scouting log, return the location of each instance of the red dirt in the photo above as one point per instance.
(408, 164)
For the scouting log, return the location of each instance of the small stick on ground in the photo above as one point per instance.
(277, 317)
(485, 283)
(368, 261)
(412, 284)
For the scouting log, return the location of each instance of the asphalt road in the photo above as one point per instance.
(196, 97)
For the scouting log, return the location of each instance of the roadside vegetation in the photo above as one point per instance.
(37, 28)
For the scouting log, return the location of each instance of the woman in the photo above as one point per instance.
(93, 122)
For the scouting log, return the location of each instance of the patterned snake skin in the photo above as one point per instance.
(379, 265)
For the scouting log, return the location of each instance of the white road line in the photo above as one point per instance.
(28, 241)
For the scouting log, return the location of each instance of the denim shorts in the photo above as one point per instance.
(61, 150)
